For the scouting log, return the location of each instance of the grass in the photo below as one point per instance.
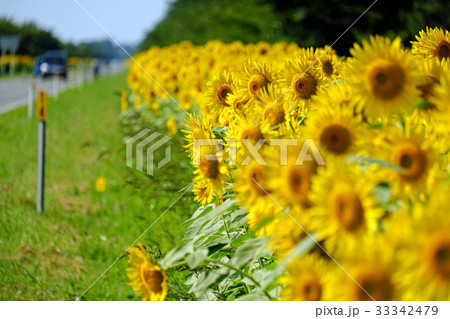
(57, 254)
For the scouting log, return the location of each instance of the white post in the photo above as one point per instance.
(11, 63)
(56, 86)
(41, 113)
(41, 167)
(31, 94)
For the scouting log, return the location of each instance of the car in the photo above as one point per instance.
(53, 63)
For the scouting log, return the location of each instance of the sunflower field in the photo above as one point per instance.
(361, 213)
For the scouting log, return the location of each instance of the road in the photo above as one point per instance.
(14, 92)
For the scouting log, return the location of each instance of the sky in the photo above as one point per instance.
(125, 20)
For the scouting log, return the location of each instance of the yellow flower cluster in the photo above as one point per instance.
(25, 60)
(350, 151)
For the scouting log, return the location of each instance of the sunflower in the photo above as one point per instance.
(306, 279)
(416, 156)
(212, 171)
(338, 95)
(335, 129)
(425, 250)
(239, 104)
(289, 179)
(252, 191)
(218, 88)
(285, 233)
(256, 76)
(344, 210)
(147, 279)
(300, 81)
(384, 77)
(196, 129)
(185, 99)
(203, 192)
(328, 64)
(172, 126)
(123, 101)
(100, 184)
(432, 72)
(370, 274)
(155, 106)
(273, 108)
(432, 43)
(441, 99)
(243, 131)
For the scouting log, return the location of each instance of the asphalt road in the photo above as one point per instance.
(14, 92)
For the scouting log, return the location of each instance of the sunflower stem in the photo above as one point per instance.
(243, 274)
(226, 226)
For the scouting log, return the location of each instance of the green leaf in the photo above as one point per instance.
(205, 280)
(177, 254)
(421, 104)
(382, 193)
(205, 219)
(250, 250)
(194, 259)
(200, 211)
(373, 160)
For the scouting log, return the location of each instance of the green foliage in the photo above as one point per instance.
(226, 20)
(33, 39)
(221, 259)
(307, 22)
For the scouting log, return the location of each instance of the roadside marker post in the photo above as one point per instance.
(41, 113)
(56, 86)
(31, 93)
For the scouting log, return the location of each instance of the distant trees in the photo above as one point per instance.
(226, 20)
(33, 40)
(320, 22)
(307, 22)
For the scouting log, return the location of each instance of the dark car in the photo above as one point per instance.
(53, 63)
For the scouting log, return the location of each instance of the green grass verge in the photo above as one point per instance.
(58, 254)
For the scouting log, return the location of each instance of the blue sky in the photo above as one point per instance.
(126, 20)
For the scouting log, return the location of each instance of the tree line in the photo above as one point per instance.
(35, 40)
(307, 22)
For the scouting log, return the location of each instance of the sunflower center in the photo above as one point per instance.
(310, 289)
(256, 83)
(253, 134)
(305, 85)
(209, 168)
(348, 210)
(443, 50)
(256, 180)
(327, 68)
(386, 80)
(277, 115)
(299, 182)
(223, 92)
(377, 285)
(336, 138)
(441, 258)
(152, 279)
(413, 160)
(427, 90)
